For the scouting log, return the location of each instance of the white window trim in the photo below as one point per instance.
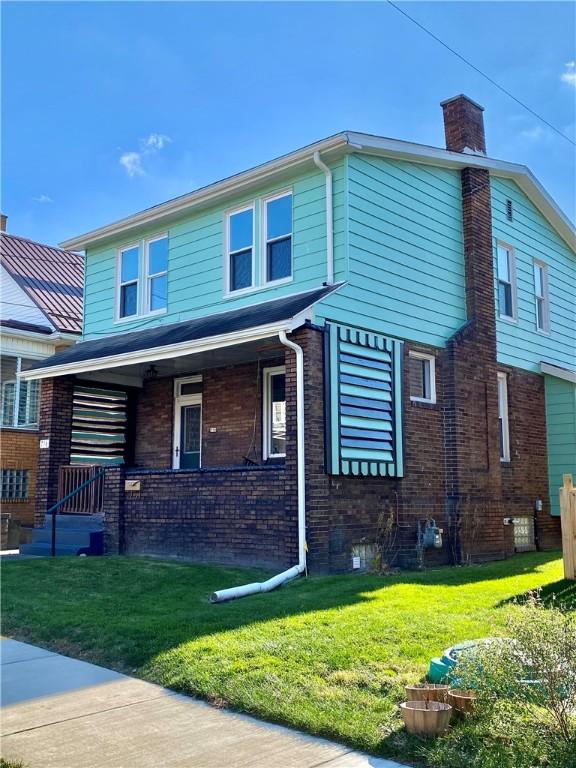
(142, 283)
(179, 401)
(228, 292)
(432, 361)
(545, 297)
(264, 240)
(513, 282)
(266, 409)
(503, 415)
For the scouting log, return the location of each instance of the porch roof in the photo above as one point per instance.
(178, 339)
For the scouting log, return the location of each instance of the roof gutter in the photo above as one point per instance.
(39, 336)
(329, 218)
(167, 351)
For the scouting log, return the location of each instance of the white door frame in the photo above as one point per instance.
(179, 402)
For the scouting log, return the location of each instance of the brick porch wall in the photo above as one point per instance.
(20, 451)
(235, 515)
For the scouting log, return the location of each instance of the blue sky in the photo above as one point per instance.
(111, 107)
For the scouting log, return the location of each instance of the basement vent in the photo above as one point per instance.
(363, 556)
(509, 211)
(98, 426)
(524, 534)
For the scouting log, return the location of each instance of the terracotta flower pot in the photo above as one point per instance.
(462, 699)
(427, 692)
(426, 718)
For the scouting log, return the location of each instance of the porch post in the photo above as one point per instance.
(113, 507)
(55, 426)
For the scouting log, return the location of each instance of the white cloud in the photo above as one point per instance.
(533, 134)
(42, 199)
(569, 74)
(155, 142)
(132, 163)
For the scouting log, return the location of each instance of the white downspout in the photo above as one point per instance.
(329, 218)
(281, 578)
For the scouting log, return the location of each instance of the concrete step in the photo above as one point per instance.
(80, 536)
(45, 549)
(77, 522)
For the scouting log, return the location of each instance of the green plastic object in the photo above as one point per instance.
(438, 671)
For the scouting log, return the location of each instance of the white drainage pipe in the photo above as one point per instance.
(329, 218)
(281, 578)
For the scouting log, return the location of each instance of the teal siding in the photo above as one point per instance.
(561, 434)
(196, 258)
(406, 255)
(519, 343)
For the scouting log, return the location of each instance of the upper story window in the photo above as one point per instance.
(251, 261)
(422, 370)
(506, 282)
(20, 400)
(157, 274)
(278, 215)
(240, 256)
(142, 278)
(541, 296)
(274, 421)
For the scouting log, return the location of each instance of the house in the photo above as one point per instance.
(41, 314)
(364, 343)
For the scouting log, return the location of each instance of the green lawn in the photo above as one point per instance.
(329, 655)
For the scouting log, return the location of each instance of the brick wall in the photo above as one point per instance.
(20, 451)
(153, 427)
(525, 477)
(222, 516)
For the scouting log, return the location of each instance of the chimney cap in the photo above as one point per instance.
(462, 96)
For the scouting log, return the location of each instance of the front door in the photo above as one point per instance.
(190, 436)
(187, 448)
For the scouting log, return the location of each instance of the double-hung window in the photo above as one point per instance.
(278, 228)
(541, 297)
(142, 278)
(274, 416)
(157, 274)
(129, 278)
(19, 400)
(506, 282)
(503, 417)
(240, 257)
(422, 377)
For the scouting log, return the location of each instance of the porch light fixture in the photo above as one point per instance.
(151, 372)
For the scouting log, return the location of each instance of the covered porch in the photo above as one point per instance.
(197, 442)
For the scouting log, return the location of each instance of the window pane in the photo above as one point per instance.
(128, 299)
(191, 388)
(538, 280)
(503, 264)
(505, 299)
(158, 256)
(158, 292)
(279, 259)
(540, 314)
(241, 230)
(129, 268)
(278, 414)
(241, 270)
(418, 377)
(279, 217)
(8, 389)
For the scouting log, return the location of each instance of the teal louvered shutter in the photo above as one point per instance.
(364, 403)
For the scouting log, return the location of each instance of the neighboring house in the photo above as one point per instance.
(421, 299)
(41, 313)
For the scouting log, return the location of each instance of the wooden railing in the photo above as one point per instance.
(88, 500)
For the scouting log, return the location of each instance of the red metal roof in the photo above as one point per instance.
(53, 279)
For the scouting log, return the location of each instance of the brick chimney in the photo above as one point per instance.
(463, 125)
(3, 222)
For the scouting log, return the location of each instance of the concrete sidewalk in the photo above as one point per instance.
(59, 712)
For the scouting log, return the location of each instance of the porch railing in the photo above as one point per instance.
(88, 482)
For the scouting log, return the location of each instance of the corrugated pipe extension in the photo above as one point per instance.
(329, 218)
(292, 573)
